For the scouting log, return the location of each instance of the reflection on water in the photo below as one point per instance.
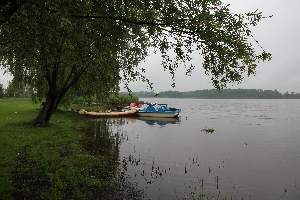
(102, 138)
(160, 121)
(253, 152)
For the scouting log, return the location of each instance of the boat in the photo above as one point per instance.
(134, 105)
(159, 110)
(140, 106)
(130, 112)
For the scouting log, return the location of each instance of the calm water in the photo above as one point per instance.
(254, 152)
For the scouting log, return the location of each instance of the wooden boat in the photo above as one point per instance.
(130, 112)
(159, 110)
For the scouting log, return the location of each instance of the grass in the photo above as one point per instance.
(47, 162)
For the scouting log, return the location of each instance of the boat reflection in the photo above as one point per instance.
(122, 120)
(152, 121)
(161, 121)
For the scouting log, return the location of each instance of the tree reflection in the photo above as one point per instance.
(102, 138)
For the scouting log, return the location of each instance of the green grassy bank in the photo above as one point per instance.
(47, 162)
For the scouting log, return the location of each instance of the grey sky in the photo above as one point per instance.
(4, 79)
(278, 35)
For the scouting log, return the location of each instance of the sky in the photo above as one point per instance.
(278, 35)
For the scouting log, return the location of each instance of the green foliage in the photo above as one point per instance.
(1, 90)
(112, 99)
(120, 99)
(14, 90)
(54, 49)
(144, 94)
(108, 103)
(64, 48)
(49, 161)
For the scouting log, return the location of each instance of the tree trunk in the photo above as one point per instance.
(48, 108)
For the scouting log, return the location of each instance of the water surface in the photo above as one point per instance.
(254, 152)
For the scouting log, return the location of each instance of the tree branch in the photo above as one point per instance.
(123, 20)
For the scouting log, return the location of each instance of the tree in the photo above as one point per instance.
(62, 47)
(1, 90)
(10, 92)
(9, 8)
(286, 95)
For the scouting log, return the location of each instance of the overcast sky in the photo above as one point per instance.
(278, 35)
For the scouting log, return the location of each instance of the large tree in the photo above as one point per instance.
(1, 90)
(60, 48)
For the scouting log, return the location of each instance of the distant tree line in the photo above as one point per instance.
(11, 91)
(224, 94)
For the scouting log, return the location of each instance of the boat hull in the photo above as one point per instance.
(109, 114)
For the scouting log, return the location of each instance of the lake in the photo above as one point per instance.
(253, 153)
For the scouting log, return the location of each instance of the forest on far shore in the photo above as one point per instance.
(224, 94)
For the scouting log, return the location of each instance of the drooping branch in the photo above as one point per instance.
(56, 41)
(67, 86)
(136, 22)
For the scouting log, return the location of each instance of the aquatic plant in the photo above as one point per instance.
(208, 130)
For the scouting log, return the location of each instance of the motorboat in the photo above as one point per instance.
(159, 110)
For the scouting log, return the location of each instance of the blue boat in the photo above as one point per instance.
(159, 110)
